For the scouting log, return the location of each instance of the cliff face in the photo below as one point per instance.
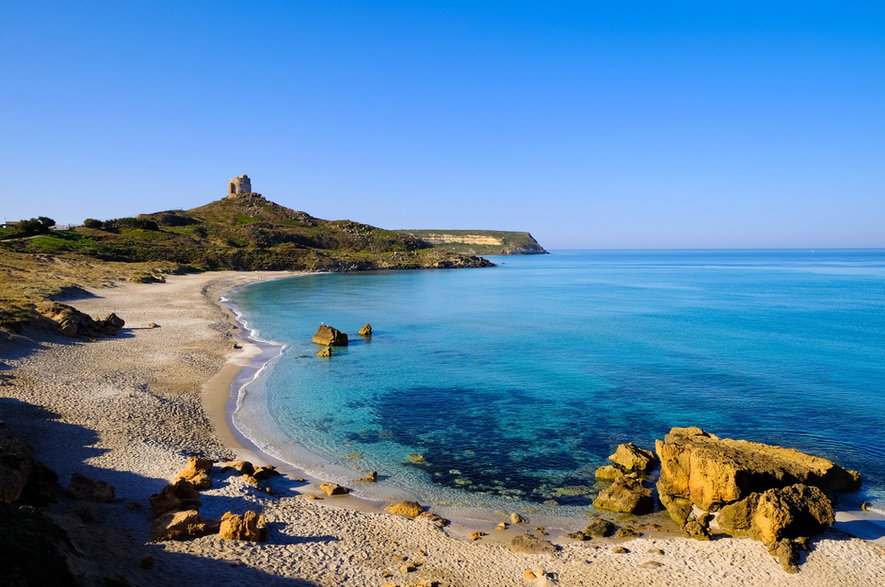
(480, 242)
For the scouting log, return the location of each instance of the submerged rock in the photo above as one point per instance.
(328, 336)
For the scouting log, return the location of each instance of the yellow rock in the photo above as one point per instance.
(409, 509)
(250, 526)
(529, 575)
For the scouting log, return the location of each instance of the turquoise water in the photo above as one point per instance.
(521, 379)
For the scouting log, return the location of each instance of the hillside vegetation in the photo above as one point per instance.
(480, 242)
(243, 233)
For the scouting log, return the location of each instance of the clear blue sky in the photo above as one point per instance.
(590, 124)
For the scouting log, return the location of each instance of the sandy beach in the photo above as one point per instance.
(129, 410)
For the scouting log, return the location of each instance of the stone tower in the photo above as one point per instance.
(239, 185)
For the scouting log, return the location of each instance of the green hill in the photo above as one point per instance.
(247, 232)
(480, 242)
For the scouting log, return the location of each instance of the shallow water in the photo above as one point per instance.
(518, 381)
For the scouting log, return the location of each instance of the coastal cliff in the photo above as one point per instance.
(480, 242)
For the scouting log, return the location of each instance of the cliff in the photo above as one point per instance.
(480, 242)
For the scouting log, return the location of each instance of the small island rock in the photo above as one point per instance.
(328, 336)
(366, 330)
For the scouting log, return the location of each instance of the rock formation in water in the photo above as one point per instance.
(328, 336)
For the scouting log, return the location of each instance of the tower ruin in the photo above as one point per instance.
(239, 185)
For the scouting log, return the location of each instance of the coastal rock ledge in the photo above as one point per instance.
(711, 472)
(779, 496)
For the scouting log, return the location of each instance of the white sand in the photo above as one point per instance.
(129, 409)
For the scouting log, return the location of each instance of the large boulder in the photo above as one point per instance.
(181, 495)
(23, 479)
(181, 526)
(409, 509)
(626, 495)
(250, 526)
(328, 336)
(72, 322)
(528, 544)
(710, 471)
(791, 512)
(631, 458)
(334, 489)
(85, 489)
(197, 471)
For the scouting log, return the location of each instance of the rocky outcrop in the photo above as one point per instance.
(197, 471)
(372, 477)
(23, 479)
(334, 489)
(241, 467)
(432, 518)
(710, 471)
(181, 495)
(366, 330)
(85, 489)
(776, 495)
(608, 473)
(633, 459)
(74, 323)
(409, 509)
(787, 512)
(249, 526)
(626, 495)
(597, 528)
(181, 525)
(328, 336)
(528, 544)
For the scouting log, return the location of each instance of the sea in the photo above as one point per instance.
(504, 388)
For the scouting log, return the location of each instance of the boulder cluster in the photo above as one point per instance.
(74, 323)
(177, 505)
(776, 495)
(34, 548)
(329, 337)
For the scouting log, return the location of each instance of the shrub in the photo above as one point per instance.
(93, 223)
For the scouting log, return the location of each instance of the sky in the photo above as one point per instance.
(626, 124)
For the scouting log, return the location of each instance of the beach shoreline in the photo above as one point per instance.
(130, 409)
